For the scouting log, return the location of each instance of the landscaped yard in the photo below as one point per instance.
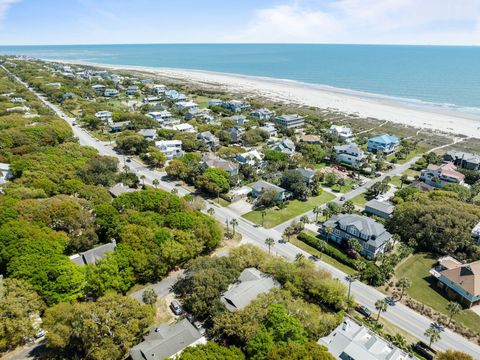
(323, 257)
(275, 216)
(360, 200)
(416, 268)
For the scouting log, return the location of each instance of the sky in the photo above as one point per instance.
(427, 22)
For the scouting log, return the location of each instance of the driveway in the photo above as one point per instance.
(241, 207)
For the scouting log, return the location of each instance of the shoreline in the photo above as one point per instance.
(349, 102)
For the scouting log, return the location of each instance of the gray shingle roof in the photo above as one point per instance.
(93, 255)
(165, 341)
(261, 185)
(252, 283)
(382, 206)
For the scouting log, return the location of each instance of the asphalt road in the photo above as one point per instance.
(399, 314)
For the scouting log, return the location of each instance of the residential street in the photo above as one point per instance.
(399, 314)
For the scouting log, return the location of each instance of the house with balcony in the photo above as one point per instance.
(260, 186)
(105, 116)
(270, 129)
(344, 133)
(372, 235)
(132, 90)
(208, 139)
(459, 282)
(262, 114)
(285, 146)
(349, 154)
(212, 161)
(440, 175)
(236, 106)
(170, 148)
(110, 92)
(252, 158)
(383, 144)
(463, 160)
(290, 121)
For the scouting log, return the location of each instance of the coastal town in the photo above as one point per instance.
(223, 223)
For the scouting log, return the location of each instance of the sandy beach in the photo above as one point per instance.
(345, 101)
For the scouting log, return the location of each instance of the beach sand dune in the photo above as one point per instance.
(325, 97)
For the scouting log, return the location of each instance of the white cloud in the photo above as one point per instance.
(4, 6)
(366, 21)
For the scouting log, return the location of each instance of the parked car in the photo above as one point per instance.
(176, 307)
(40, 333)
(363, 310)
(378, 174)
(128, 160)
(342, 198)
(424, 350)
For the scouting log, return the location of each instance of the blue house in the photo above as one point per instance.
(383, 144)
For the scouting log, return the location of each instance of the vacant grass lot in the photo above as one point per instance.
(411, 172)
(275, 216)
(360, 200)
(416, 268)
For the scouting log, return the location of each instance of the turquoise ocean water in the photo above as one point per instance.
(440, 76)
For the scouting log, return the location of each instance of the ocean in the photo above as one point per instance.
(440, 76)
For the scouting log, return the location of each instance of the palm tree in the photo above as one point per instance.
(211, 211)
(269, 242)
(454, 308)
(289, 231)
(264, 213)
(404, 284)
(317, 211)
(433, 334)
(174, 191)
(299, 257)
(381, 306)
(328, 230)
(403, 180)
(234, 223)
(400, 342)
(155, 182)
(142, 177)
(360, 265)
(304, 219)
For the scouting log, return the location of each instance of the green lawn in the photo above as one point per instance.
(411, 172)
(323, 257)
(416, 269)
(320, 166)
(277, 216)
(396, 181)
(202, 101)
(360, 200)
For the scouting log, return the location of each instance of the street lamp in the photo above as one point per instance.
(350, 279)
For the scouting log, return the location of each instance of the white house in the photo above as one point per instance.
(5, 173)
(350, 154)
(110, 92)
(343, 132)
(105, 116)
(170, 148)
(185, 105)
(182, 128)
(262, 114)
(159, 115)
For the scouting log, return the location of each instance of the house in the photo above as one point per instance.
(290, 121)
(167, 341)
(175, 95)
(159, 115)
(253, 158)
(17, 100)
(270, 128)
(235, 133)
(110, 92)
(260, 186)
(133, 90)
(93, 255)
(463, 160)
(385, 144)
(56, 85)
(307, 174)
(105, 116)
(475, 233)
(148, 134)
(238, 119)
(350, 154)
(210, 160)
(352, 340)
(262, 114)
(208, 139)
(311, 139)
(459, 282)
(159, 89)
(285, 146)
(185, 127)
(372, 235)
(170, 148)
(167, 123)
(119, 189)
(146, 81)
(378, 208)
(100, 89)
(215, 102)
(343, 132)
(66, 96)
(250, 285)
(185, 105)
(119, 126)
(236, 106)
(440, 175)
(193, 113)
(151, 99)
(5, 173)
